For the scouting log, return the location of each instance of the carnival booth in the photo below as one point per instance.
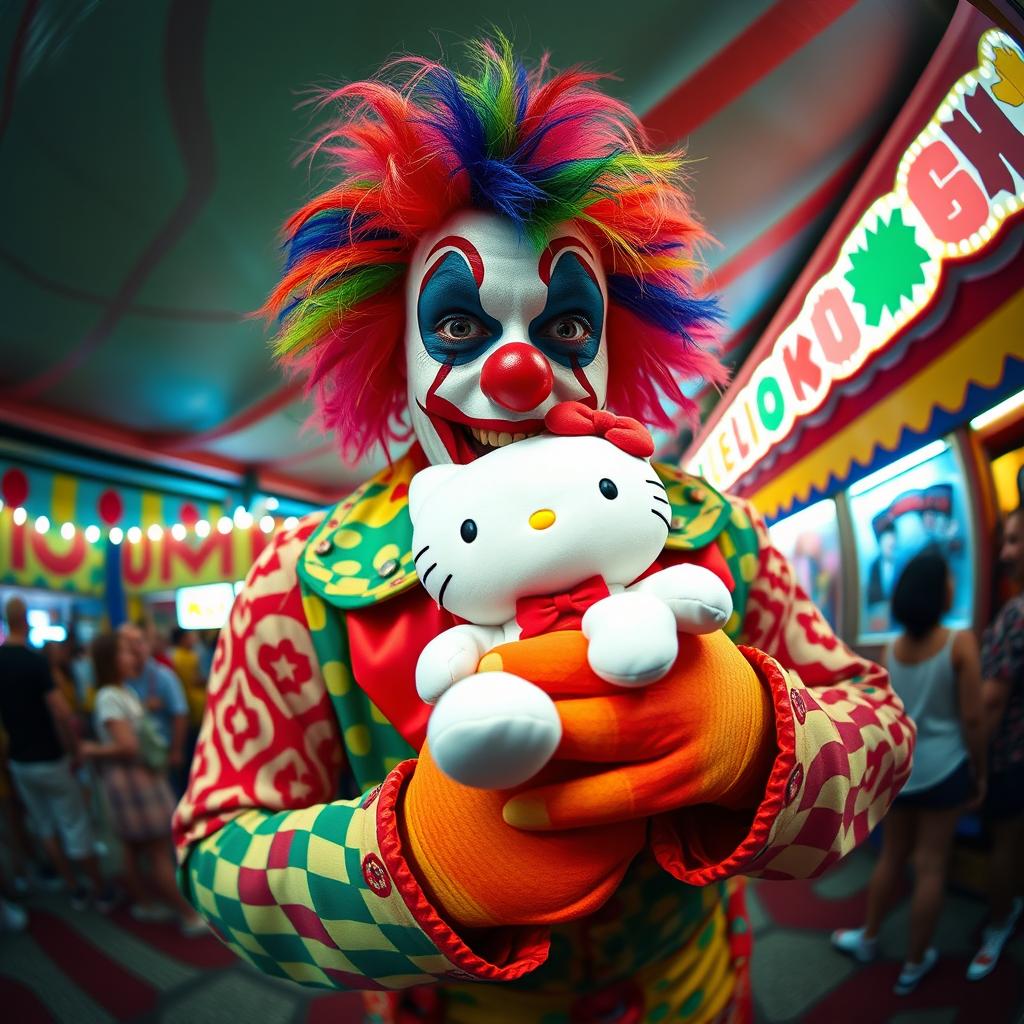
(849, 426)
(92, 548)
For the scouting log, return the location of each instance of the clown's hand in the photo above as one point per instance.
(479, 872)
(493, 730)
(451, 656)
(703, 734)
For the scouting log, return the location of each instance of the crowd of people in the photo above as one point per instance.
(968, 705)
(100, 743)
(94, 746)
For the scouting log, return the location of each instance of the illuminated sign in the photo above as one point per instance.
(959, 180)
(205, 607)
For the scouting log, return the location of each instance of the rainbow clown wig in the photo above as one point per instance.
(536, 147)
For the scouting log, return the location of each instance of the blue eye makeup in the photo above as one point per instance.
(453, 325)
(569, 329)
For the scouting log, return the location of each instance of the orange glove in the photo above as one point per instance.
(702, 734)
(479, 872)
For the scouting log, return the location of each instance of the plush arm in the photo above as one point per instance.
(842, 742)
(299, 883)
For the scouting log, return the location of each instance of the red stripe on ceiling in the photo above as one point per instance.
(240, 421)
(184, 82)
(28, 13)
(800, 217)
(302, 457)
(68, 291)
(139, 447)
(771, 40)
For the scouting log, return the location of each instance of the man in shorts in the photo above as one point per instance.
(1002, 665)
(39, 725)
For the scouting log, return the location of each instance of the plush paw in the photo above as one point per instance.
(493, 730)
(632, 638)
(449, 657)
(699, 600)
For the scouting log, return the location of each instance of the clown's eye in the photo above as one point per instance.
(459, 327)
(569, 330)
(468, 531)
(608, 489)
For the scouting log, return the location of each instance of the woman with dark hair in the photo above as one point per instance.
(937, 674)
(139, 797)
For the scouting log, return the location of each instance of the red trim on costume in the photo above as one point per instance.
(669, 833)
(528, 947)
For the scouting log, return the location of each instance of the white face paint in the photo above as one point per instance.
(497, 333)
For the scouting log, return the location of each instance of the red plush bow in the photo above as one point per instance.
(577, 420)
(553, 612)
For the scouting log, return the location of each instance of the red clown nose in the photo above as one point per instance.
(516, 376)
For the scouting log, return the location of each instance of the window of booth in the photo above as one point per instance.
(810, 540)
(918, 502)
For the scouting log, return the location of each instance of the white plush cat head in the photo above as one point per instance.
(536, 517)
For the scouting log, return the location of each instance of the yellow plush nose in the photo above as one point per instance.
(542, 519)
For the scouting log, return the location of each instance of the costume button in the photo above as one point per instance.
(697, 495)
(388, 568)
(799, 707)
(376, 875)
(796, 779)
(678, 522)
(324, 547)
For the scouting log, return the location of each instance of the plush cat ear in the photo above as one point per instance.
(425, 482)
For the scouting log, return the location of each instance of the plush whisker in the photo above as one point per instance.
(426, 547)
(423, 578)
(658, 497)
(662, 518)
(444, 587)
(657, 483)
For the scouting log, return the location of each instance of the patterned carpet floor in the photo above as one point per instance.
(89, 969)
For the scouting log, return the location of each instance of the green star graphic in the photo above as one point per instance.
(885, 272)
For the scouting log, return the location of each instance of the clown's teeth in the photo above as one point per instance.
(498, 439)
(518, 437)
(504, 439)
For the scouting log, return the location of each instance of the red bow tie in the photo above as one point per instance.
(552, 612)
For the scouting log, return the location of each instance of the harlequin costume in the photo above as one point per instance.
(511, 232)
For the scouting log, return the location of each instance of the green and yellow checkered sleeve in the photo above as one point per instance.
(323, 896)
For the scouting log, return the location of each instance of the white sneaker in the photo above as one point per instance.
(912, 974)
(194, 926)
(992, 942)
(852, 942)
(151, 913)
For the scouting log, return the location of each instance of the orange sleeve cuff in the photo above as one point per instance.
(493, 954)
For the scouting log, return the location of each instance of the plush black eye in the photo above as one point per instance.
(608, 489)
(468, 531)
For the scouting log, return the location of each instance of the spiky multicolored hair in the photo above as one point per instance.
(536, 147)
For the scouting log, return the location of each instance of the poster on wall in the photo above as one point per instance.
(810, 540)
(923, 507)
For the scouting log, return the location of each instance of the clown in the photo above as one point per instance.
(497, 243)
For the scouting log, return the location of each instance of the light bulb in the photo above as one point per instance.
(154, 532)
(178, 531)
(42, 524)
(19, 515)
(134, 535)
(92, 533)
(224, 524)
(116, 535)
(202, 528)
(67, 531)
(267, 524)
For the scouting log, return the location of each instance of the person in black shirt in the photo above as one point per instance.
(38, 723)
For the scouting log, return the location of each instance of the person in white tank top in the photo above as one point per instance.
(937, 674)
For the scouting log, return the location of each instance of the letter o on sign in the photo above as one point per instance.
(771, 405)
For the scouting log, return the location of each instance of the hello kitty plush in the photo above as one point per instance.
(552, 530)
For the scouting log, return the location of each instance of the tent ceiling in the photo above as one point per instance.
(147, 161)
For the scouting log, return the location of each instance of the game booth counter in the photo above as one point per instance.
(90, 550)
(849, 426)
